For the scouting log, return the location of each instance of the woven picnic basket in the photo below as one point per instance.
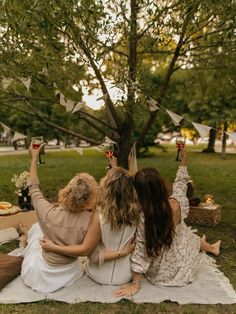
(204, 215)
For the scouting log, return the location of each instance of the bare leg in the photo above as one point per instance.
(210, 248)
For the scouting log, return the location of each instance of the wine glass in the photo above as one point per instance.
(109, 152)
(37, 141)
(180, 143)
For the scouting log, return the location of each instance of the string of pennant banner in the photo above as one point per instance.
(73, 107)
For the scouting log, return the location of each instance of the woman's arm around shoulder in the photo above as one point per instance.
(91, 240)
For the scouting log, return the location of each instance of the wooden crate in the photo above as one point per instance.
(204, 215)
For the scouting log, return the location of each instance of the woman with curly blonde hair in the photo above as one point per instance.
(116, 219)
(64, 224)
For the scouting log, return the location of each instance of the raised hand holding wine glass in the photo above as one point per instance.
(109, 153)
(37, 145)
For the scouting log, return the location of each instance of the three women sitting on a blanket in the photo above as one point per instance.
(166, 250)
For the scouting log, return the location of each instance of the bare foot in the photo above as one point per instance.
(203, 237)
(23, 229)
(216, 248)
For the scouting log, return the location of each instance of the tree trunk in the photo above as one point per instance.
(124, 143)
(211, 143)
(223, 151)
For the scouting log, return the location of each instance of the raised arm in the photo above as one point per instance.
(180, 185)
(40, 204)
(132, 160)
(34, 153)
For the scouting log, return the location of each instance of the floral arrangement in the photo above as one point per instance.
(20, 181)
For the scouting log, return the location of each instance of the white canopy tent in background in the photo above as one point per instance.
(18, 136)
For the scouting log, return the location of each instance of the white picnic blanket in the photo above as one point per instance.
(210, 287)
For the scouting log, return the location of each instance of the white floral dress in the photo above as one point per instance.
(175, 266)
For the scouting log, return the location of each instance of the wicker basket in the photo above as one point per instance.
(204, 215)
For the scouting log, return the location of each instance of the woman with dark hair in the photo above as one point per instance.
(167, 252)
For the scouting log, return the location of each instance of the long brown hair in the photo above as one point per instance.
(153, 197)
(118, 198)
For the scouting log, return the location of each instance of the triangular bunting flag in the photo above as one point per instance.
(5, 128)
(202, 129)
(62, 100)
(108, 140)
(79, 150)
(6, 83)
(103, 97)
(70, 105)
(174, 117)
(152, 104)
(18, 136)
(26, 82)
(232, 135)
(78, 106)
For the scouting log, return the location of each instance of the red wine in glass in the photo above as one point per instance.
(109, 153)
(36, 146)
(37, 141)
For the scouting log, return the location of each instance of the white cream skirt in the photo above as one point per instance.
(39, 275)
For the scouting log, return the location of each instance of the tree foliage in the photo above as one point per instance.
(138, 45)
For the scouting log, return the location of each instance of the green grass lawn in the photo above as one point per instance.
(211, 175)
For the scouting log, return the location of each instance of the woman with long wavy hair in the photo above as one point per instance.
(116, 220)
(167, 252)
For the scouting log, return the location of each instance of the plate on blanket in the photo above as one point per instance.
(7, 208)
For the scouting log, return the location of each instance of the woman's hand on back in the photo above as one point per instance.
(47, 245)
(128, 248)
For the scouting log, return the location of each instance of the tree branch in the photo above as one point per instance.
(56, 126)
(98, 120)
(109, 104)
(169, 71)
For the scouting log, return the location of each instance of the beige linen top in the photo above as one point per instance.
(59, 225)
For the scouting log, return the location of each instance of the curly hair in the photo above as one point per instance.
(118, 198)
(79, 194)
(154, 199)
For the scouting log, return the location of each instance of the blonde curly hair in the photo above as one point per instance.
(118, 199)
(79, 194)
